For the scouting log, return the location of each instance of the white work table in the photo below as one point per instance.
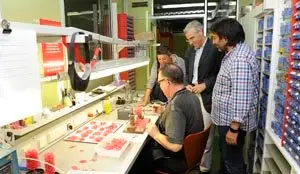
(68, 154)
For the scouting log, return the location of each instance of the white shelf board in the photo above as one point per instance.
(44, 30)
(117, 66)
(61, 113)
(283, 151)
(278, 158)
(272, 165)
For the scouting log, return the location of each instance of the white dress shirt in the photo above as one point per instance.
(196, 63)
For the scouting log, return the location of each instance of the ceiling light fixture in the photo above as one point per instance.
(188, 5)
(232, 2)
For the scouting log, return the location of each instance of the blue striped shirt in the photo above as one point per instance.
(235, 94)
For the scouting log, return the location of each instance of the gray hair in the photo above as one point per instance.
(193, 24)
(173, 73)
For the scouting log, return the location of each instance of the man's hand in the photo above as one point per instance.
(231, 138)
(81, 66)
(152, 129)
(189, 87)
(199, 88)
(157, 108)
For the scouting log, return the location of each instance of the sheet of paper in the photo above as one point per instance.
(20, 88)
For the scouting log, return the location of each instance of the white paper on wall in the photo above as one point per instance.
(20, 88)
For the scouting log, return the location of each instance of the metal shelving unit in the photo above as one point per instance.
(275, 141)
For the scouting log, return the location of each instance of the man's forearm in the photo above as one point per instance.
(162, 140)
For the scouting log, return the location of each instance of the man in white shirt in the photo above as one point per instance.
(202, 61)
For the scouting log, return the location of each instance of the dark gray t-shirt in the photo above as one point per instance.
(181, 117)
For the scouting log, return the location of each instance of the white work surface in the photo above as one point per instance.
(66, 157)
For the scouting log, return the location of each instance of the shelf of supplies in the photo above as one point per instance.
(62, 112)
(285, 35)
(272, 165)
(286, 19)
(111, 67)
(284, 152)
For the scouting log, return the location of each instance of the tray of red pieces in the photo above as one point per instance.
(139, 126)
(93, 132)
(112, 145)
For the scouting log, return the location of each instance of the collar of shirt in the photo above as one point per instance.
(237, 46)
(178, 92)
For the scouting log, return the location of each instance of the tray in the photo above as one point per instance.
(112, 145)
(93, 132)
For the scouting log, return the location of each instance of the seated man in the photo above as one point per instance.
(181, 117)
(164, 56)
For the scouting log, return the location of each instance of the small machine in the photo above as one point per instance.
(8, 160)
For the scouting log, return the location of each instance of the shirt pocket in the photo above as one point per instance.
(223, 85)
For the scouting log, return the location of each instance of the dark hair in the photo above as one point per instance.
(163, 49)
(173, 73)
(229, 29)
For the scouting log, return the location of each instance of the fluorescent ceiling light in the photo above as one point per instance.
(182, 5)
(232, 17)
(212, 4)
(188, 5)
(232, 2)
(222, 10)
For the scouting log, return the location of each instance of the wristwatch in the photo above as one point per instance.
(233, 130)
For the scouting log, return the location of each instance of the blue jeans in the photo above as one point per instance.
(232, 160)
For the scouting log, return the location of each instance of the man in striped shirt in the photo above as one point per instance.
(235, 95)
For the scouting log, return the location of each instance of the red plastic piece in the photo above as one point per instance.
(49, 158)
(32, 164)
